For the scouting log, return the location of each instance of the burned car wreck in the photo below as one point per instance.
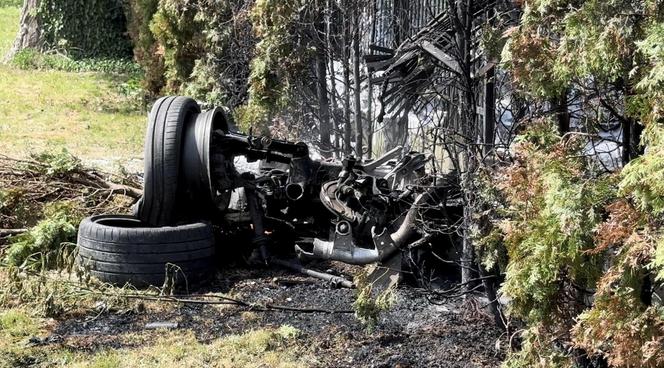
(198, 205)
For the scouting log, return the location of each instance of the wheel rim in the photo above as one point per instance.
(196, 160)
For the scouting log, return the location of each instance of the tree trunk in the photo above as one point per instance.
(324, 106)
(631, 129)
(29, 34)
(346, 72)
(626, 139)
(370, 124)
(334, 110)
(561, 110)
(463, 26)
(333, 77)
(357, 87)
(631, 140)
(489, 111)
(321, 86)
(490, 287)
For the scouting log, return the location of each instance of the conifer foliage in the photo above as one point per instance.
(585, 266)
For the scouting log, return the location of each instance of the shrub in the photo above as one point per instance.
(194, 47)
(85, 28)
(146, 49)
(370, 302)
(48, 242)
(178, 32)
(55, 164)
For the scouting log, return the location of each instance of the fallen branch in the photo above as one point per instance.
(220, 300)
(32, 183)
(124, 190)
(94, 179)
(5, 232)
(202, 299)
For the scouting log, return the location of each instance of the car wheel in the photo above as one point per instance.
(121, 249)
(163, 144)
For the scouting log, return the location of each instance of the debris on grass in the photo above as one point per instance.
(29, 187)
(161, 325)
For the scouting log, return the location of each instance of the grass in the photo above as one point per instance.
(269, 347)
(16, 323)
(24, 326)
(258, 348)
(9, 16)
(91, 114)
(16, 326)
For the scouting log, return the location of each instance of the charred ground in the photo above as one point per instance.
(413, 333)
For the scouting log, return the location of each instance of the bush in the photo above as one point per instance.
(146, 50)
(198, 48)
(45, 245)
(85, 28)
(370, 303)
(220, 76)
(179, 33)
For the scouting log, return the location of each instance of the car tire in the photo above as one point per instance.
(163, 145)
(120, 249)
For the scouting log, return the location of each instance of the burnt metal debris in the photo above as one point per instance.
(350, 211)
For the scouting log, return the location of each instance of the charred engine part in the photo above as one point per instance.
(366, 209)
(300, 173)
(260, 148)
(344, 249)
(328, 196)
(226, 145)
(347, 174)
(306, 177)
(353, 212)
(295, 191)
(260, 240)
(370, 167)
(407, 171)
(361, 199)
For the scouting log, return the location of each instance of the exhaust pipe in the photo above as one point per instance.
(343, 247)
(295, 191)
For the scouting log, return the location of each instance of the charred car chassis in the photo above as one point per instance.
(352, 212)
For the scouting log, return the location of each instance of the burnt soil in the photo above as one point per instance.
(413, 333)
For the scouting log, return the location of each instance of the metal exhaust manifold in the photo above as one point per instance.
(343, 248)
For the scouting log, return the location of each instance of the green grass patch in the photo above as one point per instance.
(16, 327)
(16, 323)
(11, 3)
(84, 112)
(270, 347)
(96, 115)
(259, 348)
(32, 59)
(9, 17)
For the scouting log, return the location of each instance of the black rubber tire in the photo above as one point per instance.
(120, 249)
(163, 145)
